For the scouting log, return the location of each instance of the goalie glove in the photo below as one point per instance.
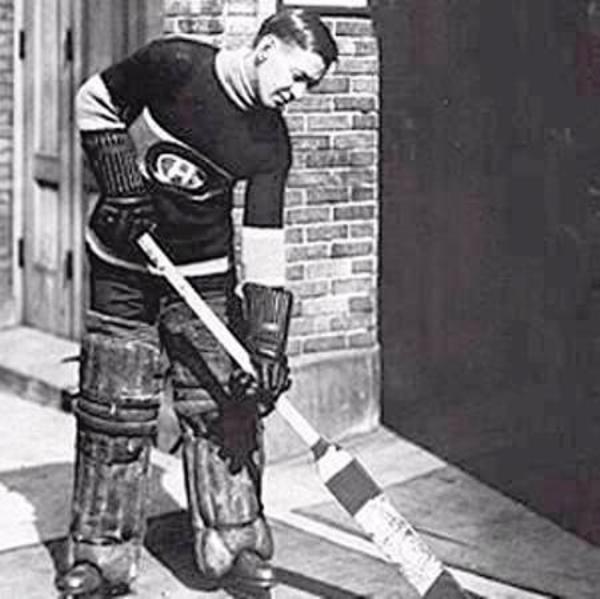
(267, 312)
(125, 209)
(237, 431)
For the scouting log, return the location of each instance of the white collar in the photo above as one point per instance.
(231, 71)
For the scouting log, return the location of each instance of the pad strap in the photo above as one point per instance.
(103, 449)
(116, 429)
(112, 157)
(115, 419)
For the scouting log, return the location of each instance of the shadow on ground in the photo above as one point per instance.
(43, 494)
(169, 540)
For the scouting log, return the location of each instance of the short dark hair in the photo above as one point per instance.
(303, 28)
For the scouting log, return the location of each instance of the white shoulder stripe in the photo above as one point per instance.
(94, 107)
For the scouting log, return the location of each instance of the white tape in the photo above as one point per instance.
(334, 460)
(400, 543)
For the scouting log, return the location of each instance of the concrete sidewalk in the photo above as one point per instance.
(319, 554)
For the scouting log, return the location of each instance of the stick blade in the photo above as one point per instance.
(357, 492)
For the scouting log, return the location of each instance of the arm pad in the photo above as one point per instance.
(112, 157)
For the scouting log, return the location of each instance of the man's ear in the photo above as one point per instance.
(264, 47)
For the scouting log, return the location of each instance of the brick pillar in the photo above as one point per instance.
(332, 200)
(332, 237)
(331, 219)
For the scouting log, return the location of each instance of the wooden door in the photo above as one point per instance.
(111, 29)
(46, 244)
(62, 43)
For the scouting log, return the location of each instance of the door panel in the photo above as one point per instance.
(111, 29)
(47, 240)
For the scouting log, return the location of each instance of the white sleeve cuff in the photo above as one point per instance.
(263, 256)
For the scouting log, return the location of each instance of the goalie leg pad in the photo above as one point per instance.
(108, 512)
(116, 422)
(225, 509)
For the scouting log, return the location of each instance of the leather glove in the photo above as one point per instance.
(237, 431)
(246, 388)
(273, 379)
(118, 222)
(268, 313)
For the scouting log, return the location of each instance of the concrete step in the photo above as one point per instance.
(38, 366)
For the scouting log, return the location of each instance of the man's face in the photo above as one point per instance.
(284, 72)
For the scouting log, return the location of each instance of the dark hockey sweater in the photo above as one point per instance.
(173, 83)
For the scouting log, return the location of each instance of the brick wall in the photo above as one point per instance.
(331, 203)
(6, 155)
(228, 23)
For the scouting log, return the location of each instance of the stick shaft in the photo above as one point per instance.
(302, 427)
(214, 324)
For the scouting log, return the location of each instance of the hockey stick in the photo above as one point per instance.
(344, 476)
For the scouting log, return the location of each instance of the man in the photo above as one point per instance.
(167, 132)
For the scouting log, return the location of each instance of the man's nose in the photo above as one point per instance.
(298, 89)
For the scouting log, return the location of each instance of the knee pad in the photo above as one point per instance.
(120, 371)
(120, 383)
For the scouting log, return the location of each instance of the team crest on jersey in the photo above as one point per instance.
(175, 169)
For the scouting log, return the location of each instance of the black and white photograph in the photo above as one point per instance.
(300, 299)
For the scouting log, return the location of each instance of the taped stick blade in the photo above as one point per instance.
(357, 492)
